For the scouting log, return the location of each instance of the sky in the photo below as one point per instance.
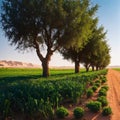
(109, 16)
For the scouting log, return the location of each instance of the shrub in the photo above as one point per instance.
(89, 92)
(102, 92)
(94, 88)
(103, 80)
(78, 112)
(98, 81)
(94, 106)
(105, 87)
(106, 111)
(101, 77)
(97, 84)
(103, 100)
(62, 112)
(91, 82)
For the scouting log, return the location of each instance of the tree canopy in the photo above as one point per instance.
(96, 53)
(47, 25)
(77, 53)
(96, 50)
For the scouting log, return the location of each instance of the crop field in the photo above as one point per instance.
(24, 92)
(11, 75)
(118, 69)
(12, 72)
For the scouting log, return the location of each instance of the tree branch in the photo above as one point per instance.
(38, 50)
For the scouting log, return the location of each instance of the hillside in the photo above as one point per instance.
(17, 64)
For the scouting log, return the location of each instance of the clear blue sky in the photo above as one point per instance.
(109, 17)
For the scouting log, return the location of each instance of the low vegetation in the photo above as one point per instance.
(94, 106)
(89, 93)
(102, 92)
(78, 112)
(103, 100)
(62, 112)
(94, 88)
(106, 111)
(23, 94)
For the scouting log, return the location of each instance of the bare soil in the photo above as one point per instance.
(113, 95)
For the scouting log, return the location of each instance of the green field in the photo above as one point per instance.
(26, 92)
(12, 72)
(33, 74)
(118, 69)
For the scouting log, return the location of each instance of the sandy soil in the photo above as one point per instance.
(113, 95)
(17, 64)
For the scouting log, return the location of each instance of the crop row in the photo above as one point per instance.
(100, 104)
(39, 100)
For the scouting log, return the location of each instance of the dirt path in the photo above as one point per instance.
(113, 95)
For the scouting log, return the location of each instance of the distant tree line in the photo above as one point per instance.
(47, 26)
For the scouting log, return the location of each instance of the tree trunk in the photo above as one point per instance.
(45, 66)
(93, 68)
(45, 60)
(96, 68)
(87, 69)
(77, 67)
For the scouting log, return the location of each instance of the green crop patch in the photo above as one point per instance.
(24, 91)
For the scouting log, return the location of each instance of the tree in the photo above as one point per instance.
(96, 52)
(45, 25)
(73, 55)
(74, 52)
(103, 56)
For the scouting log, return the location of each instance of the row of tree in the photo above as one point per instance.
(67, 26)
(96, 53)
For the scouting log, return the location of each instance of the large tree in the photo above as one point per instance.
(72, 54)
(103, 55)
(46, 25)
(96, 52)
(75, 52)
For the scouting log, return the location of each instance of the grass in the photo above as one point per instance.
(8, 72)
(25, 75)
(32, 75)
(118, 69)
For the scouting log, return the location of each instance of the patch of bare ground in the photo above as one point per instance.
(113, 95)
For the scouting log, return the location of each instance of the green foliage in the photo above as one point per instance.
(94, 106)
(62, 112)
(6, 108)
(103, 100)
(106, 111)
(98, 81)
(54, 24)
(82, 35)
(97, 51)
(91, 82)
(78, 112)
(21, 91)
(105, 87)
(103, 80)
(102, 92)
(94, 88)
(97, 84)
(89, 93)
